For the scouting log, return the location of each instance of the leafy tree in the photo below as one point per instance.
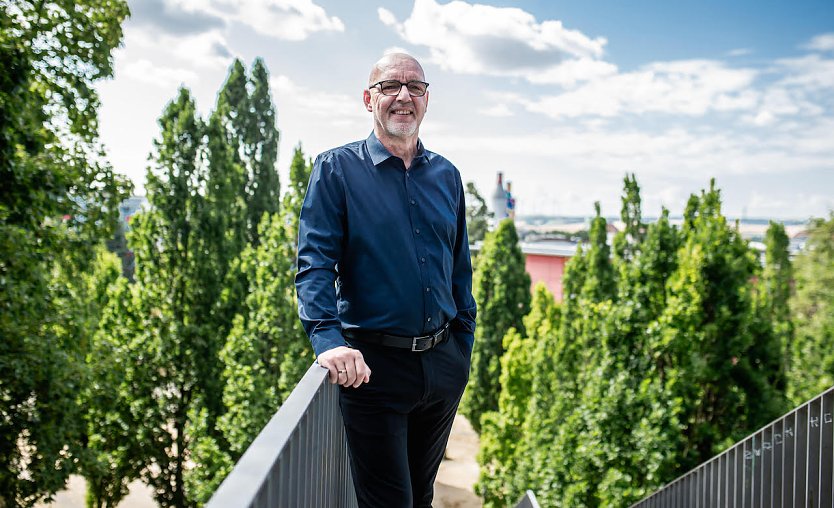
(261, 149)
(501, 435)
(172, 331)
(300, 169)
(661, 358)
(501, 288)
(811, 368)
(477, 214)
(248, 115)
(58, 201)
(113, 449)
(702, 340)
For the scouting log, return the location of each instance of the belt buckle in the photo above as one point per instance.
(414, 340)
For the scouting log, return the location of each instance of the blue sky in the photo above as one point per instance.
(563, 97)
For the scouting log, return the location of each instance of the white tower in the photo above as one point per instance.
(499, 200)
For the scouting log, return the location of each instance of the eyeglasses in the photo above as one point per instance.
(393, 87)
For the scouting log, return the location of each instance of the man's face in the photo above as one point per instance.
(397, 116)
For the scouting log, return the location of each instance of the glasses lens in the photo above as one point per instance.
(416, 88)
(390, 87)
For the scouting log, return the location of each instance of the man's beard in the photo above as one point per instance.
(401, 130)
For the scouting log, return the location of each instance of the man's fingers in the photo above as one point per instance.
(347, 366)
(349, 377)
(362, 372)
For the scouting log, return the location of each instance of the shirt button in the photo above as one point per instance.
(422, 260)
(428, 290)
(413, 202)
(417, 230)
(428, 319)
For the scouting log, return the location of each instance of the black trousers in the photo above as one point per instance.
(398, 424)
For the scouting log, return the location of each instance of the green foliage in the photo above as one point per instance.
(245, 105)
(58, 201)
(113, 451)
(171, 306)
(811, 368)
(502, 430)
(501, 288)
(477, 214)
(300, 169)
(662, 356)
(263, 343)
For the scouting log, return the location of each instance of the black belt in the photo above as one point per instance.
(422, 343)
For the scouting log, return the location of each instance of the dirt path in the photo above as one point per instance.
(459, 472)
(453, 488)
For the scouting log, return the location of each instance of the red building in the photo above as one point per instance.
(545, 262)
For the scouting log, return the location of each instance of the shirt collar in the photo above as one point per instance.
(380, 154)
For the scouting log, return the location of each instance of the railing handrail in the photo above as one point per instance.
(243, 484)
(819, 399)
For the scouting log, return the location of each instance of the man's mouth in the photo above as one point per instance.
(401, 112)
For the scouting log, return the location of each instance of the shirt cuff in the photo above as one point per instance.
(326, 340)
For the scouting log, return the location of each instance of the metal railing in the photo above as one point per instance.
(300, 458)
(789, 462)
(528, 500)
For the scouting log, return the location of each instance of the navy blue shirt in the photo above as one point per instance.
(382, 248)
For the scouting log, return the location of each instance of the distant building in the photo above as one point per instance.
(545, 262)
(502, 201)
(127, 209)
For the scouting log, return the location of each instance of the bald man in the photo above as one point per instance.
(385, 289)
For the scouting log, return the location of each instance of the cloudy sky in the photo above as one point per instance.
(564, 97)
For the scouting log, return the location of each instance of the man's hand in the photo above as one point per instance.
(347, 366)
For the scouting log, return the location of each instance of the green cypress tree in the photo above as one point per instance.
(812, 360)
(702, 341)
(502, 447)
(261, 150)
(501, 288)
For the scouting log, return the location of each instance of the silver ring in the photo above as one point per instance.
(341, 371)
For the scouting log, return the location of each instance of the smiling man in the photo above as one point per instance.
(384, 284)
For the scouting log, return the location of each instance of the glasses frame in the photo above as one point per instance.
(402, 84)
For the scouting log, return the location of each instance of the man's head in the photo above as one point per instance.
(396, 116)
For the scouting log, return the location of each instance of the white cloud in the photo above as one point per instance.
(739, 52)
(165, 77)
(292, 20)
(822, 42)
(206, 50)
(500, 110)
(688, 87)
(325, 108)
(501, 41)
(387, 17)
(812, 71)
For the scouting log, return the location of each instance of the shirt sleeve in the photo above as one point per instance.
(464, 322)
(321, 231)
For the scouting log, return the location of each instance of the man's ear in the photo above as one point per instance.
(366, 97)
(427, 100)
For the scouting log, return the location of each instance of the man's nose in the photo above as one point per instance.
(403, 95)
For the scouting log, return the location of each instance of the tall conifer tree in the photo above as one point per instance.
(501, 288)
(173, 331)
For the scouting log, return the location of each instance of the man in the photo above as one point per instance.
(384, 284)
